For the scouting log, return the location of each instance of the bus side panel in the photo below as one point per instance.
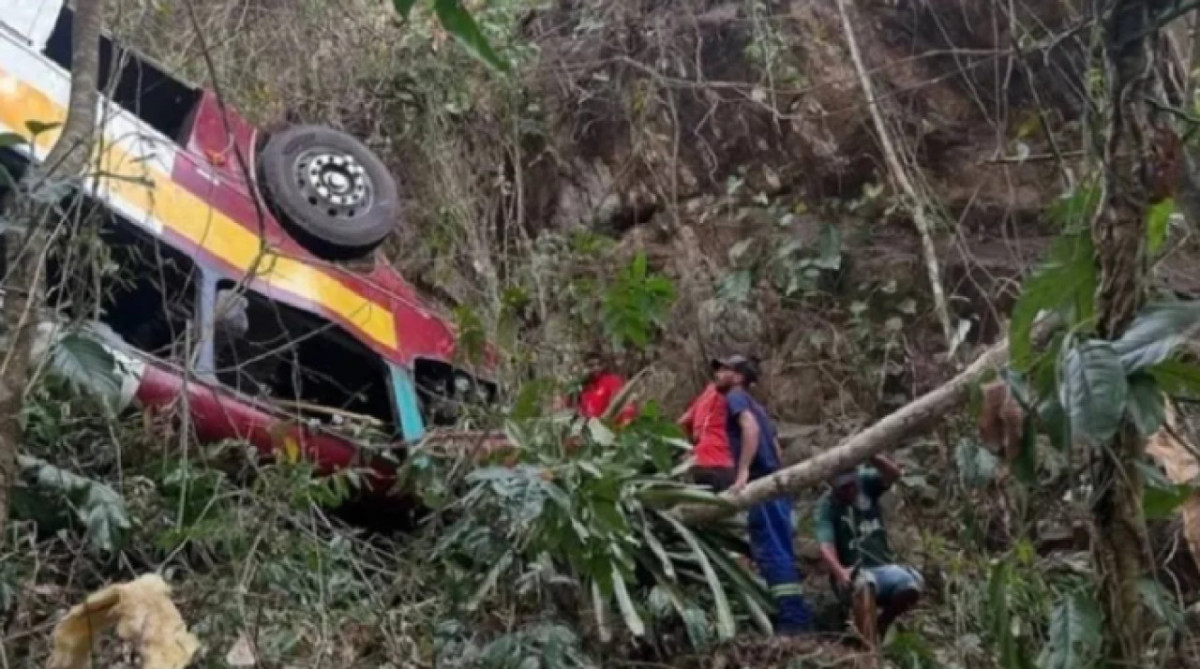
(31, 19)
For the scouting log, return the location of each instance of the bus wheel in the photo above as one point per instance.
(330, 192)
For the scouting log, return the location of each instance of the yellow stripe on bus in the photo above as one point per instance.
(197, 221)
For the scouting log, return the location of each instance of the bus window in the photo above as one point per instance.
(302, 362)
(447, 394)
(140, 86)
(105, 268)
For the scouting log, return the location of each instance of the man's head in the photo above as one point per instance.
(734, 371)
(594, 363)
(845, 485)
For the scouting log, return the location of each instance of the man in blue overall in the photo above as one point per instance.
(756, 453)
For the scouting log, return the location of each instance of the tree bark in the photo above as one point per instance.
(25, 251)
(1118, 233)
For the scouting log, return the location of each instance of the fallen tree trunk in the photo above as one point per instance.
(882, 436)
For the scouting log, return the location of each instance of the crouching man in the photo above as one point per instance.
(854, 542)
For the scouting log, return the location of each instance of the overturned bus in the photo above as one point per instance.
(240, 268)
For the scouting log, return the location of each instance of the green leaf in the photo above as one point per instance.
(458, 22)
(739, 250)
(725, 625)
(1161, 497)
(756, 597)
(695, 621)
(600, 433)
(1156, 332)
(1051, 413)
(1177, 378)
(632, 619)
(1025, 465)
(403, 7)
(999, 617)
(662, 496)
(1161, 603)
(829, 248)
(1065, 284)
(98, 507)
(85, 364)
(656, 547)
(1146, 407)
(1093, 391)
(489, 581)
(37, 127)
(635, 304)
(1073, 637)
(10, 139)
(600, 608)
(735, 286)
(1074, 210)
(976, 465)
(1158, 219)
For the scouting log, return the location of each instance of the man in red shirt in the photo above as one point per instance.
(600, 387)
(704, 422)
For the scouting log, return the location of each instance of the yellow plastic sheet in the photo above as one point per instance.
(144, 616)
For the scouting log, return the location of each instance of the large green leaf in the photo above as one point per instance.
(754, 595)
(726, 628)
(1065, 284)
(1156, 332)
(98, 507)
(600, 608)
(86, 365)
(1073, 637)
(1093, 391)
(633, 620)
(459, 23)
(1146, 408)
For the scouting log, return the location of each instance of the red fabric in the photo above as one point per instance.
(705, 423)
(598, 394)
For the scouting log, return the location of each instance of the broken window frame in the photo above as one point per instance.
(215, 371)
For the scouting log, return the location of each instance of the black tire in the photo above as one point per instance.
(330, 192)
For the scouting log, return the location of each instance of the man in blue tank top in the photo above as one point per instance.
(756, 453)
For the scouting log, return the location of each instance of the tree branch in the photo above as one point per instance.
(916, 203)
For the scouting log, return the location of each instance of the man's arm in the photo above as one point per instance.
(778, 451)
(889, 471)
(749, 427)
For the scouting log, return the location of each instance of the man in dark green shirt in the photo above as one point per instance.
(851, 533)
